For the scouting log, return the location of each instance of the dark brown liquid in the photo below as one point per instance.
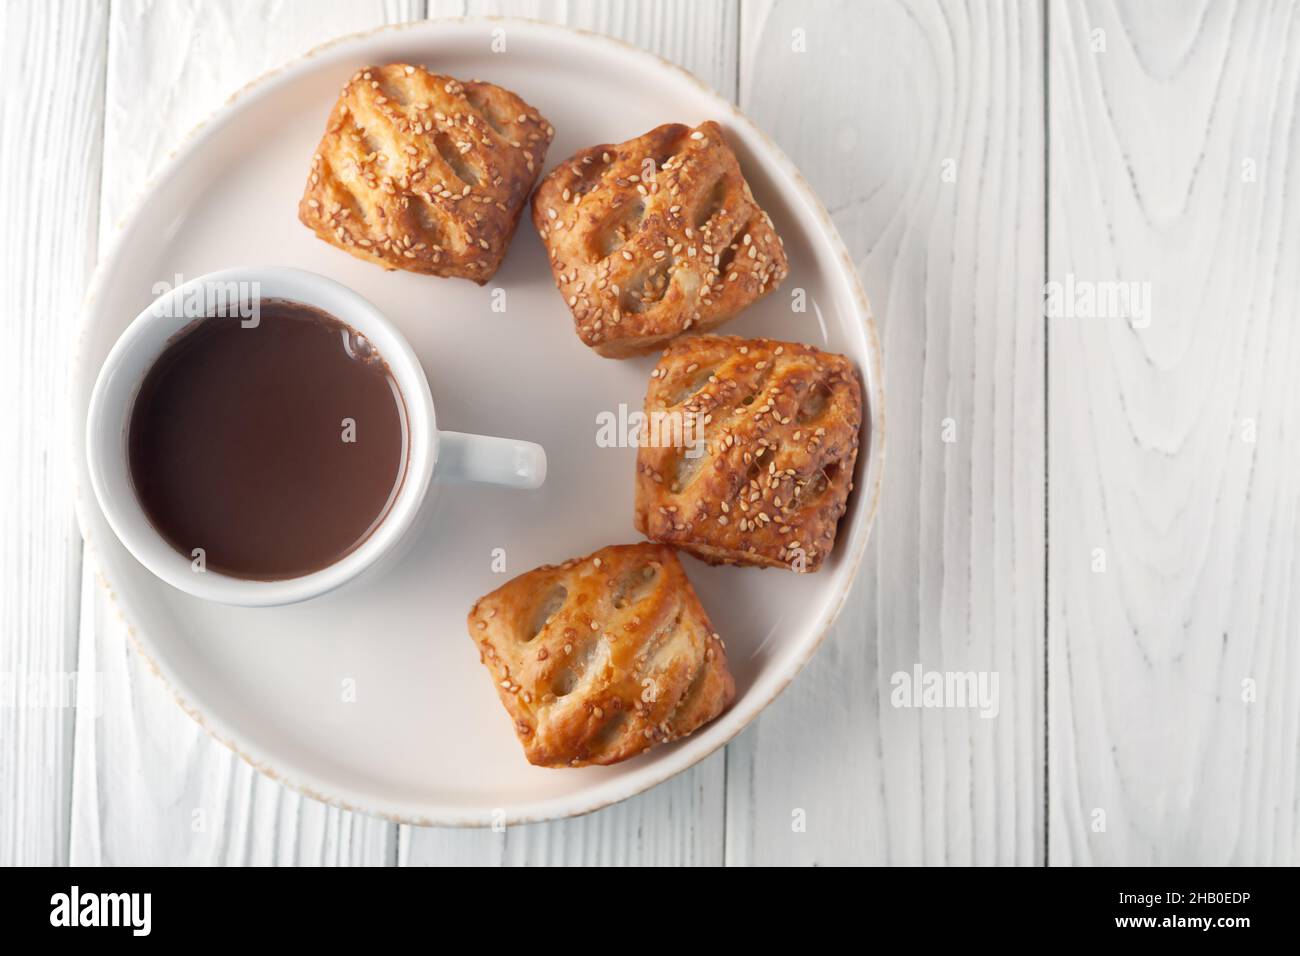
(237, 442)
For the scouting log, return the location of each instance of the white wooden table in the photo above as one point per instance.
(1102, 511)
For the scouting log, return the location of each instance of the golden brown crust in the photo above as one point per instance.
(781, 425)
(425, 173)
(655, 236)
(602, 657)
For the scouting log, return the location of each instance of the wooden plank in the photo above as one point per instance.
(150, 786)
(681, 821)
(1173, 436)
(920, 125)
(52, 126)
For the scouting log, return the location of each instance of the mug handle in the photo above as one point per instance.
(493, 461)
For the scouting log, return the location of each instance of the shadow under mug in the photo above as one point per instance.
(431, 454)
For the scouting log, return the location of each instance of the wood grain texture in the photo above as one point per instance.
(881, 103)
(51, 130)
(680, 822)
(1175, 442)
(150, 786)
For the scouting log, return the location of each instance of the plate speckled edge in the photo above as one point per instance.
(873, 380)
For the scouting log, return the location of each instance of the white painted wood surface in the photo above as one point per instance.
(1175, 445)
(49, 187)
(961, 170)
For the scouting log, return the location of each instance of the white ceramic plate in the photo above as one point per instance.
(426, 740)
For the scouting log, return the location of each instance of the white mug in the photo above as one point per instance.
(431, 454)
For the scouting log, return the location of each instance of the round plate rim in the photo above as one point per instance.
(569, 805)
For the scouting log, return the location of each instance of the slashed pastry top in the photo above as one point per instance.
(771, 437)
(655, 236)
(602, 657)
(425, 173)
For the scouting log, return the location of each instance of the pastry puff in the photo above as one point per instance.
(655, 237)
(774, 430)
(602, 657)
(425, 173)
